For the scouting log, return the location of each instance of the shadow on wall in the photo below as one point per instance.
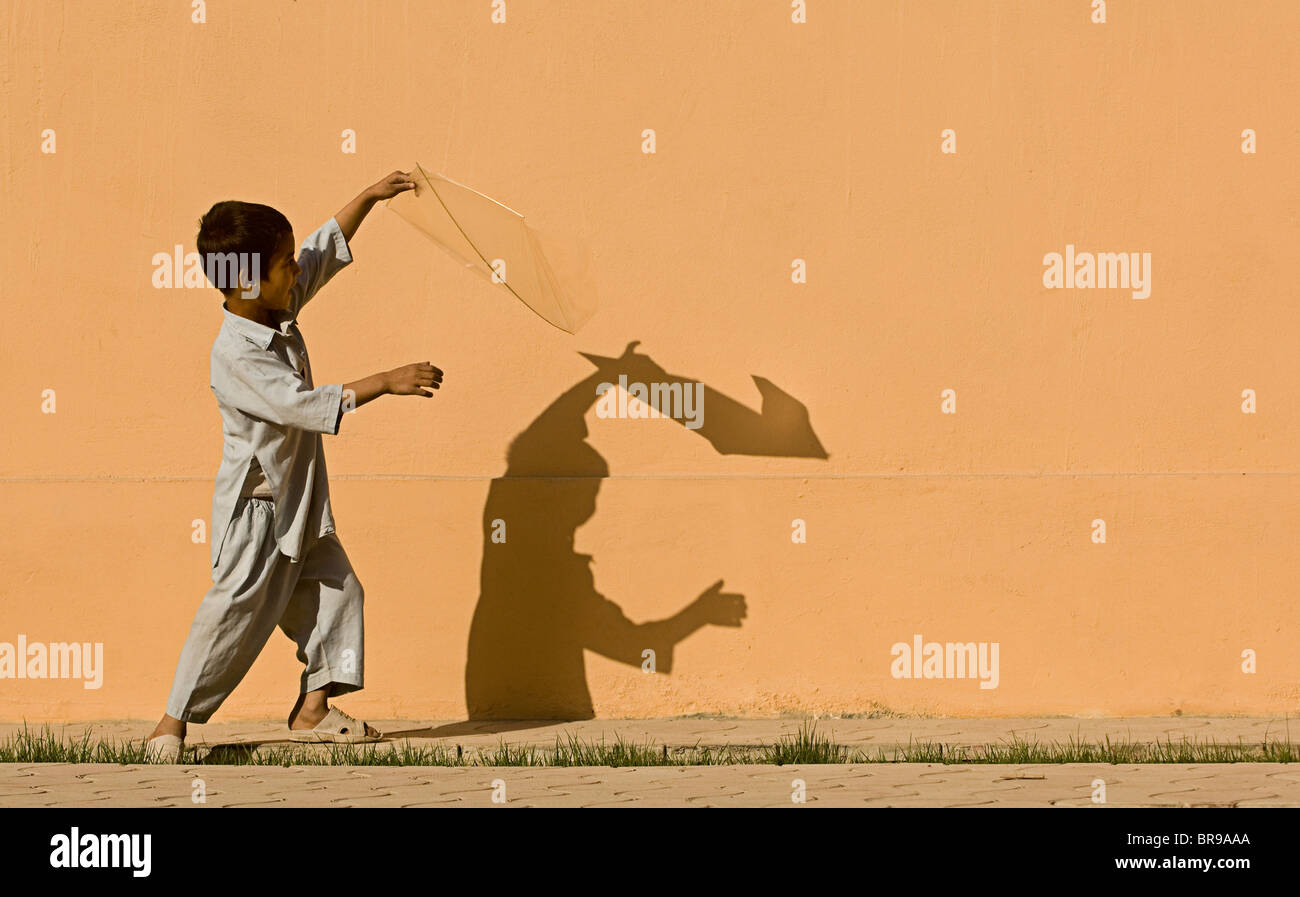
(538, 608)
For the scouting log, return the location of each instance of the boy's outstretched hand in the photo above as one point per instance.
(409, 380)
(414, 379)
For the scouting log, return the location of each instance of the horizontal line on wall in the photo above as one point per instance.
(687, 476)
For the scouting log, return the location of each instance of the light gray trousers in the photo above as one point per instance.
(317, 602)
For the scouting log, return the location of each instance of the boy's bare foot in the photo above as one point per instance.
(313, 707)
(168, 725)
(307, 720)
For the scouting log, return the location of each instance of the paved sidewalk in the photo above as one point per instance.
(874, 785)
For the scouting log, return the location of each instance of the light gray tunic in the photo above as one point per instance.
(272, 416)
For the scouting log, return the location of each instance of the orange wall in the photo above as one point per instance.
(775, 141)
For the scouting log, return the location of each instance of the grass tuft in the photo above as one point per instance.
(806, 747)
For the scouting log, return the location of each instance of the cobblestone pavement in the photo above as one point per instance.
(894, 785)
(866, 785)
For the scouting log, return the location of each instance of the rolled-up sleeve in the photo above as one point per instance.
(323, 254)
(264, 386)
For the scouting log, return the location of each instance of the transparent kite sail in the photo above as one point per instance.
(552, 277)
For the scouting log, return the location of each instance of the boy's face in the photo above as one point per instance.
(279, 275)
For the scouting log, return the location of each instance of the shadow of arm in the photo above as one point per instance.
(611, 634)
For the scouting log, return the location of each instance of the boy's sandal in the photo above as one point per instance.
(164, 749)
(336, 728)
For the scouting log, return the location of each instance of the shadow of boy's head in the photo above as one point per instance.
(564, 479)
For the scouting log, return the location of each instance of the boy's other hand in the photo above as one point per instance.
(395, 183)
(414, 379)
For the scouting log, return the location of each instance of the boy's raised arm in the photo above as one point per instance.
(326, 250)
(351, 215)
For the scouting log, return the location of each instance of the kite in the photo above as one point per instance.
(494, 240)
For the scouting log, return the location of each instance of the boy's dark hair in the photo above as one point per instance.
(232, 231)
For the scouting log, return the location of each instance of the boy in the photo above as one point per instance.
(275, 557)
